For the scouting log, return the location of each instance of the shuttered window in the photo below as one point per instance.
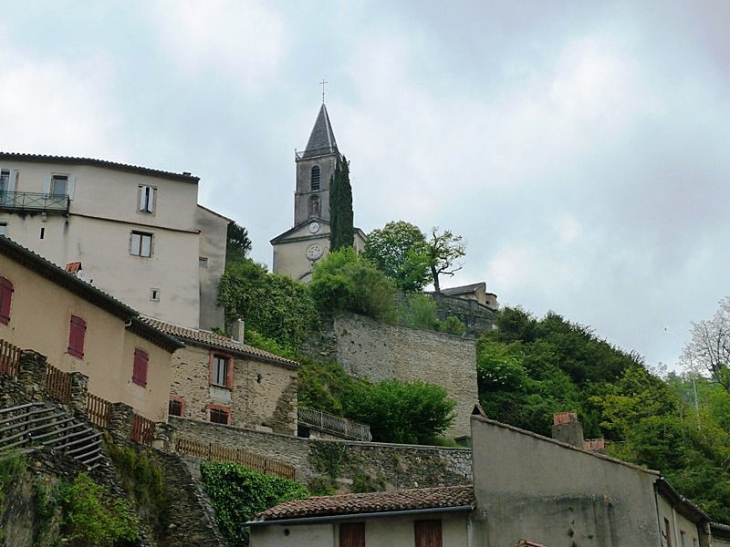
(352, 534)
(76, 336)
(428, 533)
(6, 296)
(139, 372)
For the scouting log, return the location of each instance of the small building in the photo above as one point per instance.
(79, 328)
(476, 292)
(425, 517)
(222, 380)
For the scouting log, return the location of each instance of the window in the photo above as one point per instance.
(683, 538)
(315, 177)
(77, 333)
(221, 370)
(141, 244)
(202, 262)
(4, 180)
(59, 185)
(219, 414)
(352, 534)
(139, 371)
(147, 198)
(154, 294)
(6, 296)
(3, 228)
(177, 406)
(428, 533)
(668, 532)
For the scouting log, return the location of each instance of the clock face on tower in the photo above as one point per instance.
(313, 227)
(314, 251)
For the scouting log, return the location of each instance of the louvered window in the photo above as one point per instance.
(76, 336)
(139, 372)
(6, 297)
(315, 177)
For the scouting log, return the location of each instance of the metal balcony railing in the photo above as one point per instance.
(32, 202)
(328, 423)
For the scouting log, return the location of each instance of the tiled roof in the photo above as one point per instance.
(374, 502)
(217, 341)
(322, 140)
(464, 289)
(69, 160)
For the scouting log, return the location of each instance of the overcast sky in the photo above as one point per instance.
(581, 148)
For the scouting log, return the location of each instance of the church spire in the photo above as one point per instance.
(322, 139)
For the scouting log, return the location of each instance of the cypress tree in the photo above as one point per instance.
(341, 216)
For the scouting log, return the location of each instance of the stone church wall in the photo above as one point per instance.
(369, 349)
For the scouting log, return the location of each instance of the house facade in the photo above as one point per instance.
(222, 380)
(299, 248)
(82, 329)
(137, 232)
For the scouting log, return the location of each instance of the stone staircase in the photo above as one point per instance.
(27, 427)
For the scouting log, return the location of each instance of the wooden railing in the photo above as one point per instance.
(217, 452)
(9, 357)
(97, 409)
(334, 425)
(143, 430)
(58, 384)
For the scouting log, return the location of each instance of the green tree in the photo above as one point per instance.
(709, 347)
(238, 244)
(399, 250)
(341, 217)
(275, 306)
(418, 310)
(345, 281)
(443, 250)
(401, 412)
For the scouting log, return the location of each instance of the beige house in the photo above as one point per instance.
(80, 328)
(138, 233)
(299, 248)
(221, 380)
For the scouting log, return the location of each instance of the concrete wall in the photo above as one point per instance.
(263, 394)
(678, 524)
(213, 236)
(369, 349)
(396, 466)
(530, 487)
(40, 318)
(379, 532)
(103, 212)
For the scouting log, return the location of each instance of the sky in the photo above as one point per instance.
(580, 148)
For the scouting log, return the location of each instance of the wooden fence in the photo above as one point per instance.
(58, 384)
(217, 452)
(97, 409)
(143, 430)
(328, 423)
(9, 357)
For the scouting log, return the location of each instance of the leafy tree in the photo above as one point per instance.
(452, 325)
(276, 306)
(341, 217)
(401, 412)
(238, 244)
(399, 250)
(709, 347)
(345, 281)
(237, 494)
(324, 386)
(443, 250)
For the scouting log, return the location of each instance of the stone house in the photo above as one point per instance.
(79, 328)
(138, 233)
(527, 490)
(222, 380)
(476, 292)
(297, 249)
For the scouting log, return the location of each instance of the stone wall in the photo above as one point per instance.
(262, 394)
(477, 317)
(393, 466)
(369, 349)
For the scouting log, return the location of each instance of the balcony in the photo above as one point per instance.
(31, 202)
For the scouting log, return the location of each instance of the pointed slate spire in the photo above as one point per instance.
(322, 140)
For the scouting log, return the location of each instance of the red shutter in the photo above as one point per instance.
(139, 372)
(428, 533)
(352, 535)
(6, 295)
(76, 335)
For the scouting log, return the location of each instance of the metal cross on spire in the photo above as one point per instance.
(322, 83)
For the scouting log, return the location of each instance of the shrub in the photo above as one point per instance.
(452, 325)
(418, 310)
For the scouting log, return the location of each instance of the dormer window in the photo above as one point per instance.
(315, 177)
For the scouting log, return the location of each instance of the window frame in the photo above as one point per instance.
(428, 533)
(76, 336)
(219, 410)
(351, 534)
(6, 299)
(140, 367)
(315, 181)
(227, 373)
(147, 199)
(177, 400)
(137, 248)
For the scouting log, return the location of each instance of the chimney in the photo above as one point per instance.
(237, 331)
(567, 428)
(595, 445)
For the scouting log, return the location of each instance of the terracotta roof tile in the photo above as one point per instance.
(217, 341)
(373, 502)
